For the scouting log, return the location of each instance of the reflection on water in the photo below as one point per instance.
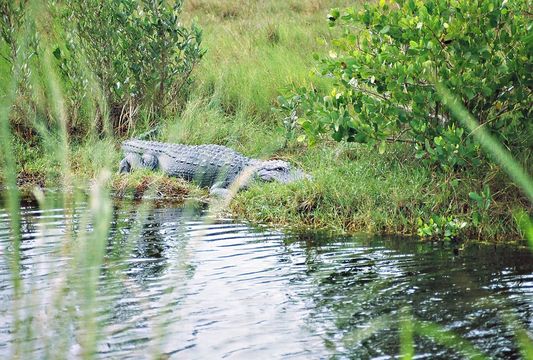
(202, 289)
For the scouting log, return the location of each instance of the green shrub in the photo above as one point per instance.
(139, 51)
(18, 47)
(441, 228)
(385, 66)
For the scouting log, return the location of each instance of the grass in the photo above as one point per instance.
(255, 50)
(350, 192)
(145, 184)
(355, 189)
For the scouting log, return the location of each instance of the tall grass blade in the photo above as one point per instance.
(372, 327)
(447, 338)
(407, 349)
(11, 194)
(526, 226)
(9, 171)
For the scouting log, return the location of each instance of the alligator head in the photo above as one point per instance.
(280, 171)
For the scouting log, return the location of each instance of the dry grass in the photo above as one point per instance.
(154, 186)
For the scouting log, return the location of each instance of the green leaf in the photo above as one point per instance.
(382, 147)
(475, 196)
(283, 102)
(486, 91)
(337, 135)
(57, 53)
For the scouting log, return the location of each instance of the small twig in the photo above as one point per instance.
(495, 117)
(407, 141)
(369, 92)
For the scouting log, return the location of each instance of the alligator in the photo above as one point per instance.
(214, 166)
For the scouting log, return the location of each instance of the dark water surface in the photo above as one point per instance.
(195, 288)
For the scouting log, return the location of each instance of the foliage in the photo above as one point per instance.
(525, 225)
(482, 203)
(11, 20)
(385, 65)
(441, 228)
(139, 50)
(12, 24)
(19, 44)
(290, 106)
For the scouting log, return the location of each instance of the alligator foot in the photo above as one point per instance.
(220, 193)
(134, 161)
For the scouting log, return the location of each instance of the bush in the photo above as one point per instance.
(441, 228)
(19, 45)
(385, 66)
(139, 51)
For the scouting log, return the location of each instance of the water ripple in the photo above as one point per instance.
(195, 288)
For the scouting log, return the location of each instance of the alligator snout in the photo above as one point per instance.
(297, 174)
(280, 171)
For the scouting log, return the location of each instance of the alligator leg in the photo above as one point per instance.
(149, 161)
(130, 162)
(218, 191)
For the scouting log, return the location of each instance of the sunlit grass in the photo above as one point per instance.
(254, 51)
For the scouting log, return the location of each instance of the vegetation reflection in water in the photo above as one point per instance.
(181, 284)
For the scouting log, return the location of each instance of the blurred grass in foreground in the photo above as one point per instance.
(61, 320)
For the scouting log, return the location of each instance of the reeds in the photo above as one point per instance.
(60, 320)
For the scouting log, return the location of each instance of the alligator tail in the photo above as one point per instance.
(149, 135)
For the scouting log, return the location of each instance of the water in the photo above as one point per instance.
(194, 288)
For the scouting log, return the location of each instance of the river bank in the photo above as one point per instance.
(354, 189)
(252, 54)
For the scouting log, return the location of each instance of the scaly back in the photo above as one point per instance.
(206, 164)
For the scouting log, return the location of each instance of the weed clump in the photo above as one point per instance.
(144, 184)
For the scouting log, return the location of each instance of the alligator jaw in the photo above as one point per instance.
(279, 171)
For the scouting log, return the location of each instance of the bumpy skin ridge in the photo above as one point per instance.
(206, 164)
